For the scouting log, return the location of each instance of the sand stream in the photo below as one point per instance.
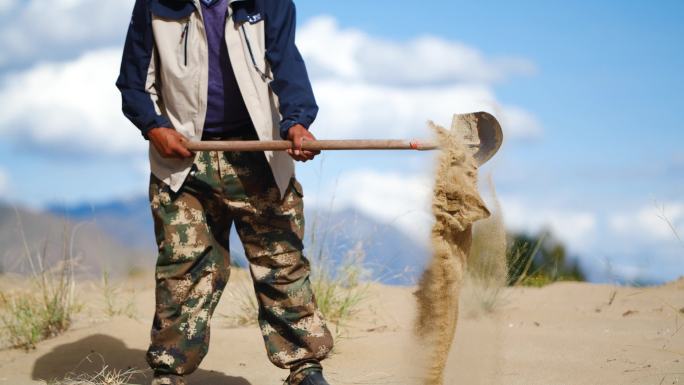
(456, 205)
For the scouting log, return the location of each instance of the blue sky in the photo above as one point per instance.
(589, 94)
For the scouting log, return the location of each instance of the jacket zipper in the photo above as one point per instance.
(261, 73)
(184, 36)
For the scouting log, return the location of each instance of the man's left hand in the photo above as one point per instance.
(296, 135)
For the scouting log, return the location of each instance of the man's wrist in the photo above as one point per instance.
(286, 125)
(149, 131)
(159, 122)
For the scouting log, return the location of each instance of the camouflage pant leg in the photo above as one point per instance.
(192, 229)
(192, 271)
(271, 229)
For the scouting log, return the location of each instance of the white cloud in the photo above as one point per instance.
(349, 54)
(44, 29)
(72, 106)
(650, 223)
(394, 198)
(368, 87)
(6, 5)
(576, 228)
(517, 122)
(362, 110)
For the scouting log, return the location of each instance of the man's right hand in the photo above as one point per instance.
(169, 143)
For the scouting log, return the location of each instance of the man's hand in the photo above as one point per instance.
(296, 135)
(169, 143)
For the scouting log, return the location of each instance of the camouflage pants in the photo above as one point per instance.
(192, 228)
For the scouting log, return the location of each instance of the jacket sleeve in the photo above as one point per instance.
(290, 79)
(137, 82)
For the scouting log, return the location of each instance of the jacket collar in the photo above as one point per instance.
(244, 11)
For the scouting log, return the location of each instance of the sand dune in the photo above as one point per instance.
(565, 333)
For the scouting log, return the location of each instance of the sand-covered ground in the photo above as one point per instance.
(565, 333)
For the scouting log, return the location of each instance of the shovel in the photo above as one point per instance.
(481, 132)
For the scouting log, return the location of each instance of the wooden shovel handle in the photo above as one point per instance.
(316, 145)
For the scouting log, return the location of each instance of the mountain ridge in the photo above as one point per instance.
(391, 257)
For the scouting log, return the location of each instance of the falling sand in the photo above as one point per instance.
(456, 205)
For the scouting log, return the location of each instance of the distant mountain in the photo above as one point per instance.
(390, 256)
(50, 237)
(128, 221)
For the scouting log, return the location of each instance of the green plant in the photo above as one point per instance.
(537, 280)
(45, 310)
(31, 316)
(520, 257)
(19, 315)
(540, 260)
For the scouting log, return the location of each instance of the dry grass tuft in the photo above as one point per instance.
(662, 215)
(340, 291)
(105, 376)
(241, 294)
(115, 303)
(45, 311)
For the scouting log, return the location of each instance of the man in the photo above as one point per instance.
(224, 69)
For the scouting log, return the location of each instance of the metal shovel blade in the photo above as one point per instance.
(481, 132)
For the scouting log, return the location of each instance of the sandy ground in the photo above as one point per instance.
(566, 333)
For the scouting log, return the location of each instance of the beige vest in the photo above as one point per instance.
(179, 90)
